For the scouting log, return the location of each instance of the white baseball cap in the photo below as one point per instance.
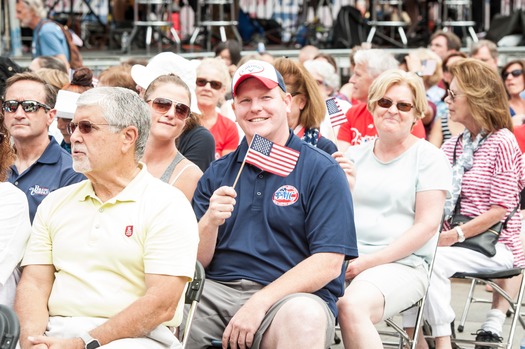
(167, 63)
(66, 104)
(262, 71)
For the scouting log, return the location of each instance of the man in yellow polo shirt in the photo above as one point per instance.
(109, 257)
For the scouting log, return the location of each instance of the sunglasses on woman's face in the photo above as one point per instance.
(216, 85)
(27, 106)
(515, 73)
(163, 105)
(401, 106)
(84, 127)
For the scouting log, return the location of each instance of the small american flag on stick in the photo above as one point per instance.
(271, 157)
(337, 117)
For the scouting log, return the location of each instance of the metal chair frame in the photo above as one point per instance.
(192, 298)
(164, 11)
(405, 341)
(9, 328)
(375, 22)
(515, 304)
(463, 9)
(207, 22)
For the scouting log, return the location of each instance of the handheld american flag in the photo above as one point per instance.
(271, 157)
(337, 117)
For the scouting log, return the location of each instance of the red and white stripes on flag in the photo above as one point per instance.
(271, 157)
(337, 117)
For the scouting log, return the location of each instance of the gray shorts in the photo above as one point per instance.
(221, 300)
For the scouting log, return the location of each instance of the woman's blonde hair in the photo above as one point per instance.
(425, 54)
(56, 78)
(393, 77)
(299, 81)
(485, 92)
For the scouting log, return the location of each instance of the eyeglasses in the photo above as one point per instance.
(84, 126)
(401, 106)
(27, 106)
(163, 105)
(216, 85)
(515, 73)
(453, 94)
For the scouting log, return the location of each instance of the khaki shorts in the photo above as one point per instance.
(401, 286)
(221, 300)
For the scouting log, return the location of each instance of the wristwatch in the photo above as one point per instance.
(461, 236)
(89, 342)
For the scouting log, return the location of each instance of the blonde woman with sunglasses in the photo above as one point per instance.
(212, 82)
(399, 188)
(169, 100)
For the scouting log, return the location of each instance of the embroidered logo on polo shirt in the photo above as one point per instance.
(38, 190)
(129, 231)
(285, 195)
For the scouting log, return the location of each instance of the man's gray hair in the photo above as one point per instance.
(121, 107)
(491, 46)
(377, 61)
(37, 6)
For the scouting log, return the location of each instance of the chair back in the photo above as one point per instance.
(192, 297)
(406, 340)
(9, 328)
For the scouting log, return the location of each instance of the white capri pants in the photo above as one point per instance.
(449, 260)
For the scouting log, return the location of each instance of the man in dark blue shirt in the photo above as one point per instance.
(273, 246)
(41, 165)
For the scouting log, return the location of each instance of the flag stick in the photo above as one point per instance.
(239, 173)
(242, 165)
(335, 138)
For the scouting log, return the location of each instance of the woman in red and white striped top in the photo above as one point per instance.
(488, 175)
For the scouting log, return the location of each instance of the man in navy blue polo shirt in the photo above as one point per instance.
(41, 165)
(273, 247)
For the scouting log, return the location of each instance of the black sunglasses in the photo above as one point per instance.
(216, 85)
(27, 106)
(84, 126)
(163, 105)
(515, 73)
(387, 103)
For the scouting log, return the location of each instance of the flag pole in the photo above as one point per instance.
(239, 173)
(335, 138)
(242, 165)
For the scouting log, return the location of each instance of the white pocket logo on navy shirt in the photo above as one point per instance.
(38, 190)
(285, 195)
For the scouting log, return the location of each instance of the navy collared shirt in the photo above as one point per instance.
(278, 221)
(51, 171)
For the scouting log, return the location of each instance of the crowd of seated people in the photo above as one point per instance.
(416, 140)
